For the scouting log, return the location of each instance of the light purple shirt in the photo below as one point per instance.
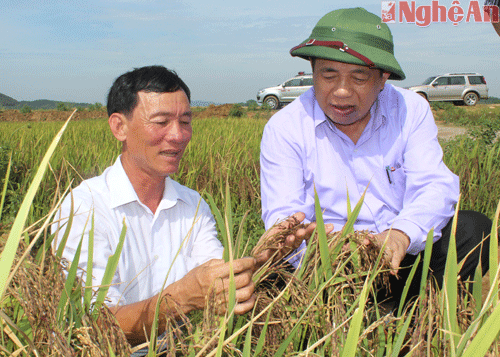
(397, 160)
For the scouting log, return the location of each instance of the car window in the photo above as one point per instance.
(292, 82)
(441, 81)
(307, 81)
(457, 80)
(476, 80)
(428, 81)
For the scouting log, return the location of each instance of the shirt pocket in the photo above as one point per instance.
(397, 181)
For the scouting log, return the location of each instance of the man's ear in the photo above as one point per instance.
(119, 126)
(385, 76)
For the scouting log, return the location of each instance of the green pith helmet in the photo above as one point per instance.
(352, 36)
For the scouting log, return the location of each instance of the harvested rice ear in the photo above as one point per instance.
(351, 263)
(275, 237)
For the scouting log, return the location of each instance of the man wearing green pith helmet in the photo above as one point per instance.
(354, 133)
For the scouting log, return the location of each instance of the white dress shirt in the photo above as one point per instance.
(397, 160)
(158, 248)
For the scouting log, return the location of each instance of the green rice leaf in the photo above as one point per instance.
(68, 285)
(220, 224)
(427, 259)
(228, 219)
(349, 226)
(22, 331)
(262, 337)
(228, 215)
(407, 285)
(110, 350)
(247, 347)
(222, 334)
(307, 253)
(324, 250)
(110, 270)
(351, 342)
(9, 251)
(5, 184)
(87, 297)
(487, 334)
(494, 249)
(232, 294)
(477, 289)
(450, 285)
(69, 223)
(349, 209)
(240, 251)
(402, 333)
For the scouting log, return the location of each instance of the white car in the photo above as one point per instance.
(286, 92)
(465, 88)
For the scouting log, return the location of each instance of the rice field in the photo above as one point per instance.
(326, 308)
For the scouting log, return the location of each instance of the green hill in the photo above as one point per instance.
(7, 102)
(10, 103)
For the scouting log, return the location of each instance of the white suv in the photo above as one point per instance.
(286, 92)
(465, 88)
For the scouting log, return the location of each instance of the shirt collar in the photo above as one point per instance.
(378, 114)
(319, 115)
(122, 192)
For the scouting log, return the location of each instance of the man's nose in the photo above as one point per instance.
(342, 88)
(175, 132)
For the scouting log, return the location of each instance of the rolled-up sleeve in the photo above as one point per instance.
(206, 245)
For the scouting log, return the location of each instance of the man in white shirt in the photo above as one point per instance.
(170, 237)
(353, 131)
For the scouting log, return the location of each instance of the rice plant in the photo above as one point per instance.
(327, 307)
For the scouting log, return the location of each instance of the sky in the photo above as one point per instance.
(225, 51)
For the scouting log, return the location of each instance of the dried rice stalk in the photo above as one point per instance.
(37, 289)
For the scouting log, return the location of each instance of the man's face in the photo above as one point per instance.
(345, 91)
(158, 131)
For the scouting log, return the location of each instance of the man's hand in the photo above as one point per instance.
(188, 294)
(395, 248)
(212, 279)
(291, 242)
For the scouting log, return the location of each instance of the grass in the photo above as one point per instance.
(480, 118)
(326, 308)
(478, 165)
(220, 149)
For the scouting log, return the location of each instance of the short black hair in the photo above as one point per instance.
(122, 97)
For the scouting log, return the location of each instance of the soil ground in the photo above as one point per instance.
(48, 115)
(447, 132)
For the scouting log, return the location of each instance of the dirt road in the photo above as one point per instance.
(447, 132)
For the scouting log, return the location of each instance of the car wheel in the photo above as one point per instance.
(422, 95)
(470, 99)
(272, 101)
